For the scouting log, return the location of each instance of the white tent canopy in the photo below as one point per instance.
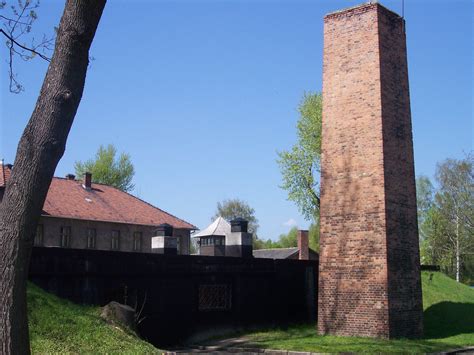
(219, 227)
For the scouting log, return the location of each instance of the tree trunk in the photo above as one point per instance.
(41, 146)
(458, 255)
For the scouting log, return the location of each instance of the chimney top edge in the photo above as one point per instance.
(365, 6)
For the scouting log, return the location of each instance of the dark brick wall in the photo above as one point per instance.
(257, 291)
(366, 163)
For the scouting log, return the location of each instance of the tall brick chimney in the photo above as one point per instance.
(303, 244)
(369, 266)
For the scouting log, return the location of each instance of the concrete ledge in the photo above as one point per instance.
(235, 350)
(466, 350)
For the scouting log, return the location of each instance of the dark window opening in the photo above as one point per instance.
(115, 241)
(38, 241)
(65, 237)
(137, 241)
(91, 238)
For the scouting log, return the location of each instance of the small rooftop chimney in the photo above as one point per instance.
(238, 242)
(163, 242)
(164, 230)
(303, 245)
(239, 225)
(70, 177)
(87, 180)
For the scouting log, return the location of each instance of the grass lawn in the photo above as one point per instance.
(59, 326)
(448, 320)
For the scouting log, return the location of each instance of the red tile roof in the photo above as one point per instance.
(68, 199)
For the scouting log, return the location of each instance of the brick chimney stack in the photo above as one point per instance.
(303, 244)
(369, 261)
(87, 180)
(70, 176)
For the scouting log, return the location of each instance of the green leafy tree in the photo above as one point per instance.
(289, 240)
(456, 203)
(313, 235)
(264, 244)
(108, 170)
(300, 167)
(234, 208)
(434, 248)
(447, 225)
(424, 201)
(424, 195)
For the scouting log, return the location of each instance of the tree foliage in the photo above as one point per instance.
(234, 208)
(289, 240)
(108, 170)
(446, 227)
(424, 201)
(300, 167)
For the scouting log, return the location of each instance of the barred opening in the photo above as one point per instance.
(215, 297)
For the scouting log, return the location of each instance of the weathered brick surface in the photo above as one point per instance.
(369, 282)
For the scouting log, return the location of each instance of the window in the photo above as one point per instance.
(115, 241)
(38, 241)
(178, 245)
(214, 297)
(212, 241)
(65, 236)
(91, 238)
(137, 241)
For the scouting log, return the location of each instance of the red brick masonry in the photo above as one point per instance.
(369, 282)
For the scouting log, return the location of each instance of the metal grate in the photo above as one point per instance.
(214, 297)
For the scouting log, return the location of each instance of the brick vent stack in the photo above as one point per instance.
(369, 282)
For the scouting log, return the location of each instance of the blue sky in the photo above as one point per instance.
(202, 94)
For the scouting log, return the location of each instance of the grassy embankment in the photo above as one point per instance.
(448, 324)
(59, 326)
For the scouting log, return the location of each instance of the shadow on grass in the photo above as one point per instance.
(447, 319)
(305, 338)
(442, 321)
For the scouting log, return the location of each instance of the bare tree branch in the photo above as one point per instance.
(16, 26)
(25, 48)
